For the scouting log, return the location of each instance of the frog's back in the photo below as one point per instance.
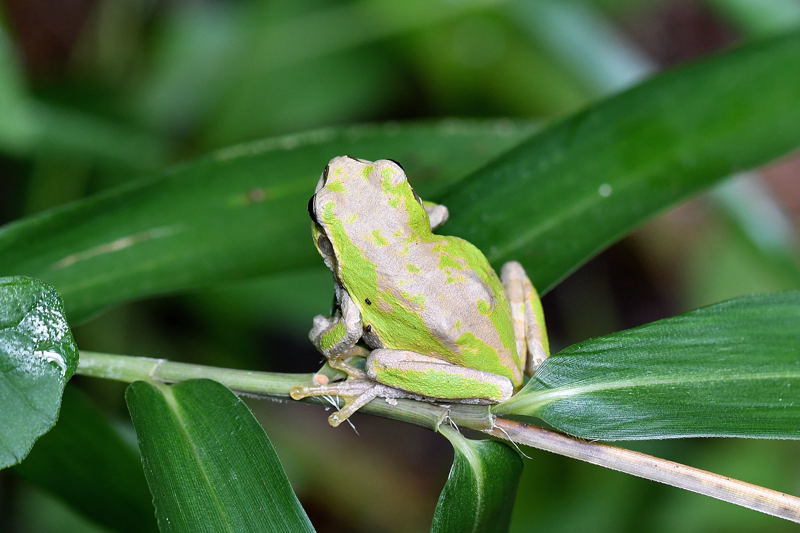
(439, 296)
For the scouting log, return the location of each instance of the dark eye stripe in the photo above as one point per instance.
(312, 208)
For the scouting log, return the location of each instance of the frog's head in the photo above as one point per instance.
(361, 199)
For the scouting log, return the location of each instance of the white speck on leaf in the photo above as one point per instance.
(53, 357)
(605, 190)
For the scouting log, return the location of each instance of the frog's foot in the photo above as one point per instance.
(356, 394)
(343, 362)
(527, 316)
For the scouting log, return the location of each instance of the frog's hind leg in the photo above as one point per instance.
(429, 377)
(527, 316)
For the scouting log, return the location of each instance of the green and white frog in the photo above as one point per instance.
(439, 323)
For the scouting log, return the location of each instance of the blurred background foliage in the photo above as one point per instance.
(94, 93)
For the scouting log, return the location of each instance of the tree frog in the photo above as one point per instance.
(439, 324)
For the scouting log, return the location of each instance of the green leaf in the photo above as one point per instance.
(84, 462)
(37, 357)
(238, 213)
(728, 370)
(480, 489)
(561, 196)
(208, 462)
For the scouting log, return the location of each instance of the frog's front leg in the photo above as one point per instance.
(336, 336)
(437, 213)
(527, 316)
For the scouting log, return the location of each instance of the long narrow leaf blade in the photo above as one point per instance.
(84, 462)
(37, 357)
(727, 370)
(561, 196)
(480, 489)
(238, 213)
(208, 462)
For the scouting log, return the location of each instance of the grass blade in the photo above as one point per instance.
(209, 464)
(561, 196)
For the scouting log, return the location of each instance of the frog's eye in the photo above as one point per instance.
(322, 179)
(312, 208)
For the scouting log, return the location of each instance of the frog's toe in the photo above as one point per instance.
(356, 394)
(298, 392)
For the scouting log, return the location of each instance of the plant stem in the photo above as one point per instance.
(430, 415)
(646, 466)
(274, 385)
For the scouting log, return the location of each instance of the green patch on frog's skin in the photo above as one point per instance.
(539, 314)
(478, 354)
(445, 261)
(336, 185)
(380, 240)
(417, 299)
(332, 336)
(439, 384)
(413, 268)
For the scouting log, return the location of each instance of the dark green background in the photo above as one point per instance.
(96, 94)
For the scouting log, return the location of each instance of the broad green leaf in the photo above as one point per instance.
(239, 213)
(208, 462)
(37, 357)
(85, 463)
(480, 489)
(729, 370)
(561, 196)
